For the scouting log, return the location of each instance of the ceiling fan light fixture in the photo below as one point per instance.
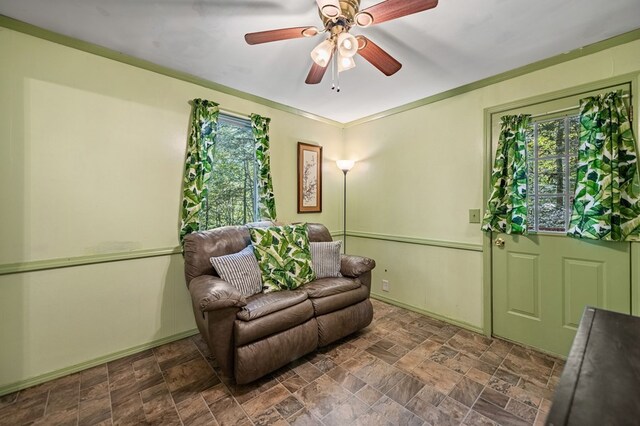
(363, 19)
(347, 44)
(321, 54)
(345, 63)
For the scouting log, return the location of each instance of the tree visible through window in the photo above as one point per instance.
(552, 155)
(232, 197)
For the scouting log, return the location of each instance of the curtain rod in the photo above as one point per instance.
(564, 109)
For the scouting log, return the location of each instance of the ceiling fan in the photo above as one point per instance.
(338, 17)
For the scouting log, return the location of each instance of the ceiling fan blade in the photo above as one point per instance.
(377, 57)
(393, 9)
(316, 73)
(281, 34)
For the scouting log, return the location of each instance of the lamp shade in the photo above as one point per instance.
(347, 45)
(345, 63)
(345, 165)
(321, 54)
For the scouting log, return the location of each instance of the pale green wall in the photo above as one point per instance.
(419, 172)
(91, 157)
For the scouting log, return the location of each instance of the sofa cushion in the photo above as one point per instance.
(325, 257)
(266, 355)
(284, 256)
(241, 270)
(341, 323)
(263, 304)
(328, 304)
(246, 332)
(329, 286)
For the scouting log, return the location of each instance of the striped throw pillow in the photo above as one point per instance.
(325, 258)
(241, 270)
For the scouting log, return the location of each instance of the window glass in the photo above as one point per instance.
(552, 160)
(233, 184)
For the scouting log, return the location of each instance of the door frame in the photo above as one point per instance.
(633, 79)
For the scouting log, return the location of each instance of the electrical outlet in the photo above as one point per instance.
(385, 285)
(474, 215)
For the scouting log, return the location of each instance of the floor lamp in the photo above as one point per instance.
(345, 166)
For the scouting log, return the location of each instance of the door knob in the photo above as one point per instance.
(499, 242)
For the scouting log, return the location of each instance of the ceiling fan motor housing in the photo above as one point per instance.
(349, 8)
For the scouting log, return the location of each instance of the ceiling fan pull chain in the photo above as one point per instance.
(333, 71)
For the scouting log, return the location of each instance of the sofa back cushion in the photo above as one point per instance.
(318, 232)
(201, 246)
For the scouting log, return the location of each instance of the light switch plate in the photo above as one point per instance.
(474, 215)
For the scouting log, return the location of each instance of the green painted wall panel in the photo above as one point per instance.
(91, 160)
(419, 171)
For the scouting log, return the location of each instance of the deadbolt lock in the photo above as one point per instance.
(499, 242)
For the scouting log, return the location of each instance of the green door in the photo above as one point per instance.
(542, 281)
(541, 284)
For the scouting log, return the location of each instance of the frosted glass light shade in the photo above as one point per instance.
(347, 45)
(321, 54)
(345, 63)
(345, 165)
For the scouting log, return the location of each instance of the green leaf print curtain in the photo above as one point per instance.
(507, 205)
(266, 199)
(606, 203)
(197, 170)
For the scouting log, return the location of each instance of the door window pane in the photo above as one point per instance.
(552, 161)
(551, 176)
(551, 214)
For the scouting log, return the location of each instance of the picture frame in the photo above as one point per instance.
(309, 178)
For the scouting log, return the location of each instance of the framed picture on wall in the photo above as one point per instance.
(309, 178)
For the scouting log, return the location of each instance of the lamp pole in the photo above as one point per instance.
(345, 166)
(344, 214)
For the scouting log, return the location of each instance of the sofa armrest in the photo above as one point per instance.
(212, 293)
(354, 266)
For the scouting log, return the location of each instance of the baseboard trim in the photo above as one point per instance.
(455, 322)
(23, 384)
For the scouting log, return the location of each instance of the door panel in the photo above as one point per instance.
(541, 284)
(583, 284)
(523, 285)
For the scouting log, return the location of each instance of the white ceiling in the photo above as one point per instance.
(458, 42)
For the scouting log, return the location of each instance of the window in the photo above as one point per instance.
(553, 140)
(552, 156)
(232, 198)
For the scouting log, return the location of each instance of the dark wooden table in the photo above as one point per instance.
(600, 383)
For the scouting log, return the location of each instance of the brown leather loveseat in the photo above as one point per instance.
(256, 335)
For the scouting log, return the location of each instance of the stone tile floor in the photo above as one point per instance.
(404, 369)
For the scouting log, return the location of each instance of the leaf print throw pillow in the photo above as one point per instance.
(284, 256)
